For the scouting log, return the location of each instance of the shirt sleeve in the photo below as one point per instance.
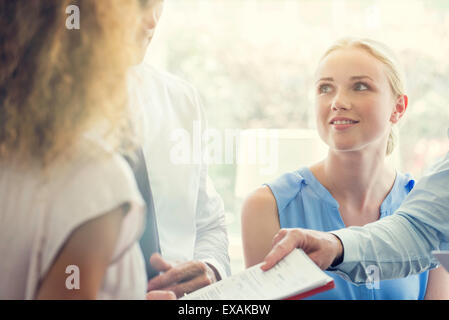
(88, 190)
(401, 244)
(211, 244)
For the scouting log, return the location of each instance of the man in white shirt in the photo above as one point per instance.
(190, 213)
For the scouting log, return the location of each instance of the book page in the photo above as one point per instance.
(295, 274)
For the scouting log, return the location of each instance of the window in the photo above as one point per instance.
(253, 60)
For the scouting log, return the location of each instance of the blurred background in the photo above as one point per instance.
(252, 62)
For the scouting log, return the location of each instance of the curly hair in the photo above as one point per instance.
(56, 83)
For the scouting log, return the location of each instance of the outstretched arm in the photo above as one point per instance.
(399, 245)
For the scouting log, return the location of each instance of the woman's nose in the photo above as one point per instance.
(340, 103)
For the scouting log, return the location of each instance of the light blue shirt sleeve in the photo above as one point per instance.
(401, 244)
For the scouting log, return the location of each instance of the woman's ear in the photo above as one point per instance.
(399, 109)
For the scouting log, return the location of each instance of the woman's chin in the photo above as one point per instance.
(345, 147)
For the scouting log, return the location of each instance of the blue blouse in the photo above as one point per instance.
(303, 202)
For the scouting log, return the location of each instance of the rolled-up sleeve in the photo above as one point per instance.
(401, 244)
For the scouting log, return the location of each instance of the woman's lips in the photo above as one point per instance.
(343, 124)
(340, 127)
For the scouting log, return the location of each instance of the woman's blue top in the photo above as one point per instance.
(303, 202)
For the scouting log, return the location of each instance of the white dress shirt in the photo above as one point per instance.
(190, 213)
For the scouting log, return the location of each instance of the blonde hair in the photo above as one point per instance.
(385, 55)
(56, 83)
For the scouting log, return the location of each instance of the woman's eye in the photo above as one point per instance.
(359, 86)
(324, 88)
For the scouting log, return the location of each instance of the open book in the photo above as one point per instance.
(294, 277)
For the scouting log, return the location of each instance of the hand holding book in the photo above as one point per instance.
(324, 248)
(294, 277)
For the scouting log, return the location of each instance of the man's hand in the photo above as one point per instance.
(322, 247)
(183, 278)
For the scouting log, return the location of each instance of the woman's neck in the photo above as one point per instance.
(356, 179)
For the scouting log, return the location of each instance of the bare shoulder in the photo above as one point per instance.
(259, 210)
(260, 202)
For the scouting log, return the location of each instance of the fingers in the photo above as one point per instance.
(283, 243)
(322, 247)
(161, 295)
(279, 236)
(180, 273)
(276, 255)
(159, 263)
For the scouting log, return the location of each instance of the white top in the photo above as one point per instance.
(190, 213)
(39, 211)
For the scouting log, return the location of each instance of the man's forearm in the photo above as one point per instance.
(401, 244)
(392, 245)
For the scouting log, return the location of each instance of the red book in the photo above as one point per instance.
(327, 286)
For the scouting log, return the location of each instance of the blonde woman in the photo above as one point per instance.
(360, 96)
(70, 210)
